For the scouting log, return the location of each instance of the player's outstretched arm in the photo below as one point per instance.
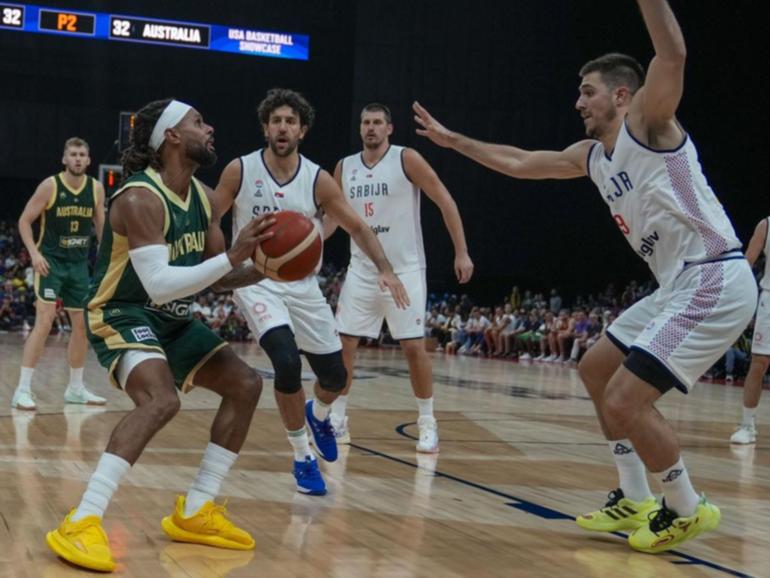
(34, 208)
(656, 102)
(757, 242)
(509, 160)
(329, 196)
(422, 174)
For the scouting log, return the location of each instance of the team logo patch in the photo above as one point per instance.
(258, 184)
(49, 293)
(353, 174)
(143, 333)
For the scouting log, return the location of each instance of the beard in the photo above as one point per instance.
(200, 154)
(598, 130)
(291, 146)
(76, 172)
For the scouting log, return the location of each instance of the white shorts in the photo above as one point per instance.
(298, 304)
(363, 305)
(760, 343)
(688, 327)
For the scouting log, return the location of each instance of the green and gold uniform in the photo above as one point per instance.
(120, 314)
(65, 239)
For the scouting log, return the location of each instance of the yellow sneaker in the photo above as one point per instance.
(667, 530)
(83, 543)
(618, 514)
(208, 526)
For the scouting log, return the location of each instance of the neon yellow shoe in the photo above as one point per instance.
(618, 514)
(667, 530)
(83, 543)
(208, 526)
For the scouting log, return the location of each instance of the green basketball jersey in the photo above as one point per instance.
(67, 221)
(185, 225)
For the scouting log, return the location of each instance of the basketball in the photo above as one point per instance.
(293, 251)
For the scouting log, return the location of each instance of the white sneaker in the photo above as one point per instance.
(745, 434)
(83, 397)
(23, 400)
(551, 358)
(341, 431)
(428, 443)
(525, 357)
(540, 357)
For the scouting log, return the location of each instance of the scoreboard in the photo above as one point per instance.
(126, 28)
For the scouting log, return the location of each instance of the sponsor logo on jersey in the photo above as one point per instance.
(179, 309)
(278, 194)
(377, 229)
(143, 333)
(647, 248)
(73, 242)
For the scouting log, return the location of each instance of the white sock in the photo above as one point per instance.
(631, 471)
(677, 489)
(300, 443)
(76, 379)
(25, 379)
(103, 483)
(321, 410)
(340, 406)
(215, 465)
(425, 406)
(749, 416)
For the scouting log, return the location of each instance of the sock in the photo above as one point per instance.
(103, 483)
(76, 379)
(631, 471)
(321, 410)
(339, 407)
(300, 443)
(677, 489)
(25, 379)
(215, 465)
(749, 416)
(425, 406)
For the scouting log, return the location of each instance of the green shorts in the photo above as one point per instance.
(530, 336)
(187, 343)
(66, 279)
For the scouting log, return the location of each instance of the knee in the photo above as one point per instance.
(164, 407)
(330, 370)
(249, 387)
(288, 372)
(617, 409)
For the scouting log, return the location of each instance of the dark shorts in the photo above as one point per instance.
(187, 343)
(67, 280)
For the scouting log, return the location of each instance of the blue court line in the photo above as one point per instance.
(540, 510)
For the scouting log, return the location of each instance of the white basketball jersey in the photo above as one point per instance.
(764, 283)
(390, 204)
(662, 203)
(260, 193)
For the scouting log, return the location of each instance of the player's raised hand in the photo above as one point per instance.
(388, 280)
(248, 238)
(431, 128)
(39, 264)
(463, 267)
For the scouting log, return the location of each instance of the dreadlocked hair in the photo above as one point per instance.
(140, 155)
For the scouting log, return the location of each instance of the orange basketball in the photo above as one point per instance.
(293, 251)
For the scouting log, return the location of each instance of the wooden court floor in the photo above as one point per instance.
(521, 456)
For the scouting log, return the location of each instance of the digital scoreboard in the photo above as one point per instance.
(128, 28)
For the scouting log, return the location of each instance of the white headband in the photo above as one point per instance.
(170, 117)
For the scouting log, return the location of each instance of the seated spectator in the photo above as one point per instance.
(527, 339)
(548, 342)
(586, 329)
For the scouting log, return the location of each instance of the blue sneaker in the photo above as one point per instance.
(308, 476)
(323, 434)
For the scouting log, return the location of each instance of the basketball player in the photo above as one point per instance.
(647, 171)
(746, 433)
(382, 183)
(70, 206)
(162, 244)
(289, 318)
